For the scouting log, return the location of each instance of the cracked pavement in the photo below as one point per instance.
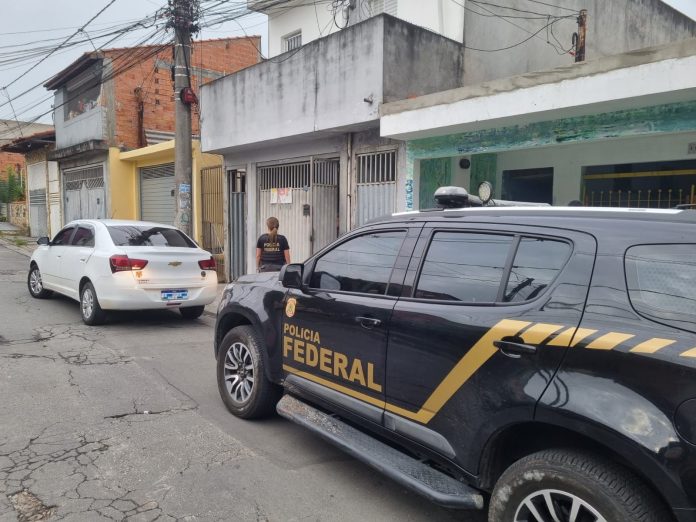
(124, 422)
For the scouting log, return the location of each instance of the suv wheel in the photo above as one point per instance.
(242, 382)
(92, 313)
(35, 284)
(567, 485)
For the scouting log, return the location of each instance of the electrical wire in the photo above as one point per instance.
(111, 2)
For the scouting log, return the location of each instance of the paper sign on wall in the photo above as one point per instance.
(281, 195)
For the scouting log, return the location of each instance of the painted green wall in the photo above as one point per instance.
(434, 173)
(646, 121)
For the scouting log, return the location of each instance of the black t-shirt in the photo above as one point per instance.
(272, 253)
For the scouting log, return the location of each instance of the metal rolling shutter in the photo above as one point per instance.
(156, 194)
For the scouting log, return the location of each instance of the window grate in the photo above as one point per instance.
(378, 167)
(289, 175)
(292, 41)
(93, 177)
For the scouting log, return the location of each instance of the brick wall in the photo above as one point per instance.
(153, 77)
(10, 159)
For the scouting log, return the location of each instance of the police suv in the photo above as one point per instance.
(538, 362)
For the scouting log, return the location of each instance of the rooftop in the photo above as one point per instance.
(13, 130)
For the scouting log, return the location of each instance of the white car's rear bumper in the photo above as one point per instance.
(124, 293)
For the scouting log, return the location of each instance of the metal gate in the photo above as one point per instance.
(237, 219)
(304, 197)
(84, 193)
(211, 210)
(157, 194)
(38, 213)
(375, 185)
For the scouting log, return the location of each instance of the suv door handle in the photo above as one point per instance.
(368, 322)
(514, 349)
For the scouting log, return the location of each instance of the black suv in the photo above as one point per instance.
(538, 361)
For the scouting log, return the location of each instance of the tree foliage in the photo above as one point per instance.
(11, 189)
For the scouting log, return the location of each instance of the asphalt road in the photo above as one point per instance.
(124, 422)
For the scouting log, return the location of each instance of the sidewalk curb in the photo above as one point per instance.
(14, 248)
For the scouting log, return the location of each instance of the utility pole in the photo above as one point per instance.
(183, 18)
(579, 37)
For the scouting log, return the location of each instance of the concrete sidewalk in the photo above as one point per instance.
(26, 245)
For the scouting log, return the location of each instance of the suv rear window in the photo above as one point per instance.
(131, 235)
(660, 282)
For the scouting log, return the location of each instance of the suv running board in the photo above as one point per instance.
(439, 488)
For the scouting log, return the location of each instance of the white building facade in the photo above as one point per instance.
(293, 23)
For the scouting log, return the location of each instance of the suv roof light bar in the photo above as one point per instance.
(458, 197)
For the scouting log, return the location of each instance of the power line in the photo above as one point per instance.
(552, 5)
(111, 2)
(513, 45)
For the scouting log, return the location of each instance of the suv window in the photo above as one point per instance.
(362, 264)
(536, 264)
(83, 237)
(133, 235)
(464, 266)
(660, 282)
(63, 236)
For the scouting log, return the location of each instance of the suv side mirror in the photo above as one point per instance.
(43, 241)
(291, 275)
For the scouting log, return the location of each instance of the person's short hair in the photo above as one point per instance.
(576, 203)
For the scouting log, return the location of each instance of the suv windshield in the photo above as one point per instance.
(132, 235)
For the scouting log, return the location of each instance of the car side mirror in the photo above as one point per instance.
(291, 275)
(43, 241)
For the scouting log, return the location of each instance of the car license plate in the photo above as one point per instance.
(174, 295)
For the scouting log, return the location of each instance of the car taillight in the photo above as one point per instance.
(120, 263)
(207, 264)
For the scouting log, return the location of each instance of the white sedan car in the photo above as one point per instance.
(123, 265)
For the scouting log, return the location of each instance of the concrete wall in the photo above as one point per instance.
(90, 125)
(614, 27)
(322, 87)
(418, 62)
(332, 84)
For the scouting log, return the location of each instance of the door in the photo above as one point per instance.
(303, 195)
(335, 331)
(84, 193)
(38, 213)
(237, 223)
(212, 214)
(157, 189)
(375, 186)
(51, 264)
(448, 385)
(75, 257)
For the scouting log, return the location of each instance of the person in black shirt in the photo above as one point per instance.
(272, 249)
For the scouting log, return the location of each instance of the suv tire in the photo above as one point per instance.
(569, 477)
(92, 313)
(242, 381)
(35, 284)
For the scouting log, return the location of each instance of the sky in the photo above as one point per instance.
(28, 23)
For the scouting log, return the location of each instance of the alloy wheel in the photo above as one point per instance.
(87, 302)
(552, 505)
(239, 372)
(35, 281)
